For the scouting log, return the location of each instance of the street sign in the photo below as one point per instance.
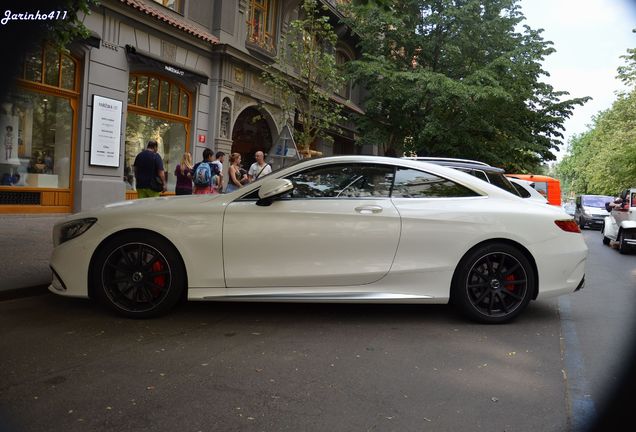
(284, 151)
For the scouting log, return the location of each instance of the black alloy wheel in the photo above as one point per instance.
(494, 283)
(138, 275)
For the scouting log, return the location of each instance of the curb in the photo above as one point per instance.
(18, 293)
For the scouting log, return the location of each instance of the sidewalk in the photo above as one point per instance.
(25, 248)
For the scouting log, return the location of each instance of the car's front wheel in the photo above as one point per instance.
(623, 248)
(494, 283)
(138, 275)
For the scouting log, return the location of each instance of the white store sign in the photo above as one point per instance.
(106, 132)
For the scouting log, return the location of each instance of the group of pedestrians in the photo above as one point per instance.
(204, 177)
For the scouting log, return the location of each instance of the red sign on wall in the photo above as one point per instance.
(201, 138)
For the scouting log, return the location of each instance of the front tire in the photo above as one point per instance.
(493, 284)
(622, 246)
(138, 275)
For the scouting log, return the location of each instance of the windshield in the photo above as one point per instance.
(597, 201)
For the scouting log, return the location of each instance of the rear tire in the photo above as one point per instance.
(138, 275)
(493, 283)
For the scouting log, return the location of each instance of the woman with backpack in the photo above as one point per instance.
(183, 173)
(206, 175)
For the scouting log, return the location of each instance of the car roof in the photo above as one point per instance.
(443, 159)
(458, 163)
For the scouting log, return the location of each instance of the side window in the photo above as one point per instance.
(521, 190)
(343, 181)
(410, 183)
(475, 173)
(542, 188)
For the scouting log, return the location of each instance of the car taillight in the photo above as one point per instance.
(568, 225)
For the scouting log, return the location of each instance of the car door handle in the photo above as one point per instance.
(369, 209)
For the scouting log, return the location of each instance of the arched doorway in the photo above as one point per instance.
(251, 133)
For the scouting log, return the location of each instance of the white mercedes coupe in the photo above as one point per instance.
(334, 229)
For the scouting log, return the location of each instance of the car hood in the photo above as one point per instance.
(148, 206)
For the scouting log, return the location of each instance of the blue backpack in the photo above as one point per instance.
(203, 175)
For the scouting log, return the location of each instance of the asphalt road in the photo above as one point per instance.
(69, 365)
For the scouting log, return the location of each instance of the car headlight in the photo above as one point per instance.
(69, 230)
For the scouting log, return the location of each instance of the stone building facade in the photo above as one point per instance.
(184, 72)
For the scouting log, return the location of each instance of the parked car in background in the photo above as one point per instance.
(549, 187)
(570, 208)
(589, 211)
(526, 190)
(481, 170)
(337, 229)
(620, 225)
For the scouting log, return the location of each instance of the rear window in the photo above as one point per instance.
(521, 190)
(410, 183)
(542, 188)
(502, 181)
(494, 178)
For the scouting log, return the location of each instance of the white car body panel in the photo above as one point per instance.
(348, 246)
(318, 250)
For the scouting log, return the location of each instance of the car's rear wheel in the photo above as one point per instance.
(494, 283)
(138, 275)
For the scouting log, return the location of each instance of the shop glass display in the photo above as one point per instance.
(171, 136)
(35, 140)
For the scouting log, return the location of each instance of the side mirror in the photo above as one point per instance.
(273, 188)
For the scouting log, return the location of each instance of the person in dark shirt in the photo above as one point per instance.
(149, 165)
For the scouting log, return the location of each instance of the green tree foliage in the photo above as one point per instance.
(305, 74)
(454, 78)
(603, 159)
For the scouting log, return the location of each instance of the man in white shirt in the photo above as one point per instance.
(259, 168)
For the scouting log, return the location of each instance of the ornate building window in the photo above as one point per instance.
(261, 23)
(175, 5)
(158, 109)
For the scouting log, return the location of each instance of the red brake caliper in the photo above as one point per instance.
(510, 278)
(160, 280)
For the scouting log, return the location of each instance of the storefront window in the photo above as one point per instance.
(157, 110)
(36, 123)
(170, 135)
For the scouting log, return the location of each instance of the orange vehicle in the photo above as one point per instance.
(547, 186)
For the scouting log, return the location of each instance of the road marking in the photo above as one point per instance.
(581, 407)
